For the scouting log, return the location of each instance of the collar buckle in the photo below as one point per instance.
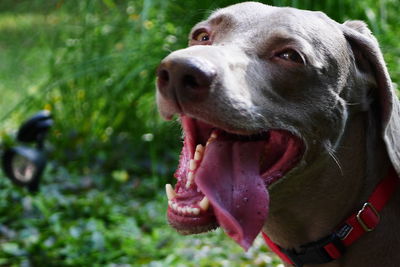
(322, 251)
(368, 212)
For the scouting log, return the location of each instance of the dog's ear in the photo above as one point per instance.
(369, 60)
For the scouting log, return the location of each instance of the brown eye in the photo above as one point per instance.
(201, 36)
(291, 55)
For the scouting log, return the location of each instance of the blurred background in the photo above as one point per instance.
(92, 64)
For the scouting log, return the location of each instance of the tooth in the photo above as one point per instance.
(200, 148)
(199, 152)
(191, 176)
(192, 165)
(182, 209)
(190, 179)
(170, 191)
(195, 211)
(186, 210)
(212, 137)
(189, 210)
(204, 203)
(197, 156)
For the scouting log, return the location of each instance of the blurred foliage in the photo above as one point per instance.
(100, 73)
(73, 223)
(92, 63)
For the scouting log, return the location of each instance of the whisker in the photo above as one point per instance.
(335, 159)
(353, 103)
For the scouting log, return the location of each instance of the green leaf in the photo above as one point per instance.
(12, 249)
(109, 3)
(120, 176)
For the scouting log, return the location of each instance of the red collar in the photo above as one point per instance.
(333, 246)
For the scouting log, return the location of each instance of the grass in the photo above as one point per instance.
(24, 57)
(92, 64)
(76, 221)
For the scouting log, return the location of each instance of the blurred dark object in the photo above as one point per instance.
(24, 165)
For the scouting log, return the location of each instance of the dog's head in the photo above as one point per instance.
(263, 93)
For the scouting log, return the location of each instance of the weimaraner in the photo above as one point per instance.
(290, 125)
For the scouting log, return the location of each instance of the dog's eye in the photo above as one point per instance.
(291, 55)
(201, 36)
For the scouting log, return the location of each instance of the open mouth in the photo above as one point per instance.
(223, 179)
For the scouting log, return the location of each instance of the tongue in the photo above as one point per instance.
(229, 176)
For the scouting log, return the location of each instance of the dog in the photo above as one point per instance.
(290, 125)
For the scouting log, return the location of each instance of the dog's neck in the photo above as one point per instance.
(308, 208)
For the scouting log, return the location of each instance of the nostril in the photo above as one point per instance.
(163, 74)
(162, 78)
(189, 81)
(197, 78)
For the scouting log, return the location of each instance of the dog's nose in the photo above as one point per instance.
(185, 79)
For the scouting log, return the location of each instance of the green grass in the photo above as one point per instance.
(92, 64)
(24, 57)
(77, 221)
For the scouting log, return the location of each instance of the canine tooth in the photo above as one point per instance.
(188, 184)
(174, 206)
(170, 191)
(212, 137)
(200, 148)
(197, 156)
(195, 211)
(204, 203)
(192, 165)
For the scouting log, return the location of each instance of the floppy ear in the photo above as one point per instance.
(369, 58)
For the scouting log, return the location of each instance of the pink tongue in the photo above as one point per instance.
(229, 176)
